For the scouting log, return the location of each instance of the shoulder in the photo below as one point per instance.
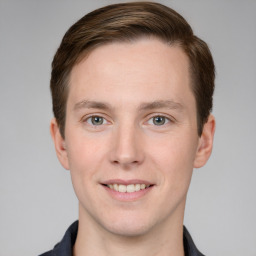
(189, 246)
(65, 246)
(49, 253)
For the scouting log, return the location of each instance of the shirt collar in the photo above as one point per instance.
(65, 246)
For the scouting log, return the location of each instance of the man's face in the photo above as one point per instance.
(131, 126)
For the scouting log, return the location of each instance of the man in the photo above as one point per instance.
(132, 94)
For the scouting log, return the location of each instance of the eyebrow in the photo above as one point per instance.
(170, 104)
(91, 104)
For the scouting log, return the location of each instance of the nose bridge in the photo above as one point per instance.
(126, 148)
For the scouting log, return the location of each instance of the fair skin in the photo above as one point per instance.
(131, 121)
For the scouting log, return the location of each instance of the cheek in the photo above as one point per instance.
(83, 152)
(174, 157)
(83, 157)
(174, 147)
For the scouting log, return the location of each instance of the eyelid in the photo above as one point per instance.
(86, 117)
(104, 121)
(169, 118)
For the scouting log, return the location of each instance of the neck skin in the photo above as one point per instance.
(164, 240)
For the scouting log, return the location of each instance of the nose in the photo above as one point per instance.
(127, 147)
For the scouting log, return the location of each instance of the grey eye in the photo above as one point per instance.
(159, 120)
(96, 120)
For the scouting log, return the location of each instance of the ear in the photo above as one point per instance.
(59, 143)
(205, 144)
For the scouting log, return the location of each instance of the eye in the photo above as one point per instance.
(159, 120)
(96, 120)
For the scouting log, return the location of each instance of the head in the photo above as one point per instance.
(132, 93)
(125, 23)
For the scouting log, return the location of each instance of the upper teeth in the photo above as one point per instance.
(129, 188)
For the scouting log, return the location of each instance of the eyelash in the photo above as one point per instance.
(166, 120)
(94, 116)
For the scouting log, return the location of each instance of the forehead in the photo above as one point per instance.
(146, 67)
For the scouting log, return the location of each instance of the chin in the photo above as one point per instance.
(128, 230)
(128, 225)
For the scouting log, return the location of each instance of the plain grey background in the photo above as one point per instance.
(36, 196)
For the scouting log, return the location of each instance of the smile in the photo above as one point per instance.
(127, 188)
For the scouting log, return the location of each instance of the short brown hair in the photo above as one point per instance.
(125, 22)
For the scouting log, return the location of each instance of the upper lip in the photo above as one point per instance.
(126, 182)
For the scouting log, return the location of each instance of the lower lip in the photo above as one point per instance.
(132, 196)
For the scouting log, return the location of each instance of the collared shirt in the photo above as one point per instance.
(65, 246)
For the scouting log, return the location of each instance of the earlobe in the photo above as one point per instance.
(205, 143)
(59, 144)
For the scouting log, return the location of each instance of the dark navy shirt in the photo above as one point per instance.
(65, 246)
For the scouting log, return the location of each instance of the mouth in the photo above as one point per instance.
(130, 188)
(127, 190)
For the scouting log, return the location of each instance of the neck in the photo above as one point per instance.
(165, 240)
